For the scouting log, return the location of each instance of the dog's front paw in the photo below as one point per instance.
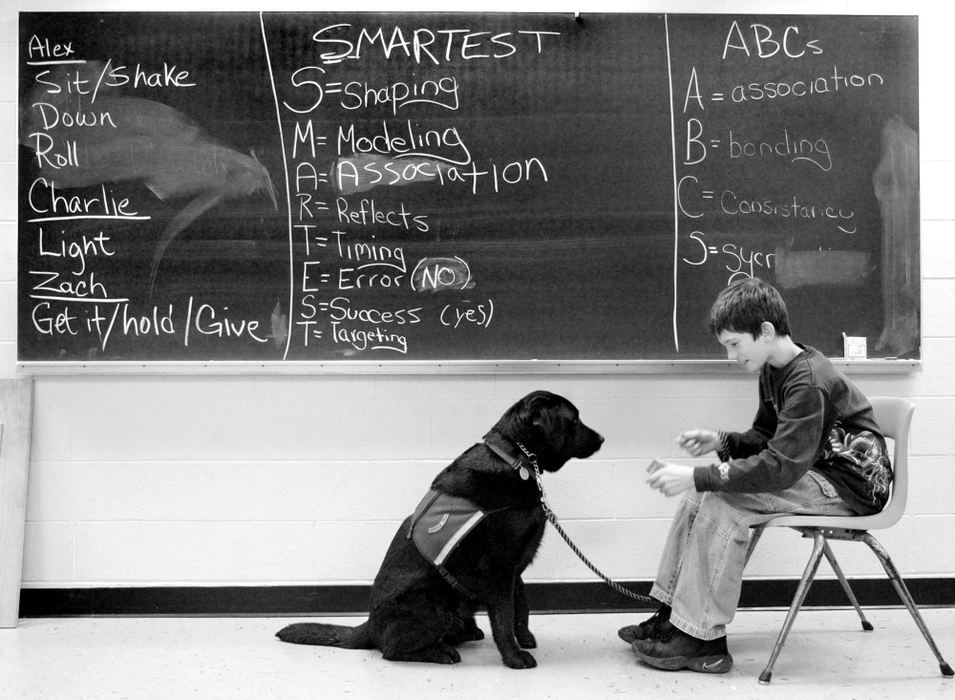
(521, 659)
(526, 639)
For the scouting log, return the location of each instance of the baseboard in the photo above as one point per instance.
(353, 600)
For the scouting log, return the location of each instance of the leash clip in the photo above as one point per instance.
(532, 458)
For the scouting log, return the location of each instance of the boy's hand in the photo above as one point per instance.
(699, 442)
(670, 479)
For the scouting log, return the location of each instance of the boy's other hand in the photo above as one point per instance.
(699, 442)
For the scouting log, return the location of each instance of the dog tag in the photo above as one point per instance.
(525, 475)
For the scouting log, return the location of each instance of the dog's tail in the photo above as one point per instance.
(320, 634)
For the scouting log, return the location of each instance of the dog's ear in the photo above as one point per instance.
(524, 420)
(538, 414)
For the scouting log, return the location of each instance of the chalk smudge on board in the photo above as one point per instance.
(896, 184)
(362, 172)
(806, 268)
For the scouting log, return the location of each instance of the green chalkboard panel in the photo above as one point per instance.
(329, 186)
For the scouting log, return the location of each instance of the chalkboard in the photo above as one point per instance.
(338, 187)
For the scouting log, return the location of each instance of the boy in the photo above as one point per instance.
(814, 449)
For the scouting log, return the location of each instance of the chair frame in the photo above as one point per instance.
(894, 416)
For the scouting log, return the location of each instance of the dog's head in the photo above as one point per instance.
(549, 426)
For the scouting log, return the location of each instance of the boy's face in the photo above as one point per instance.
(750, 352)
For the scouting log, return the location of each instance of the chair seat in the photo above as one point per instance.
(877, 521)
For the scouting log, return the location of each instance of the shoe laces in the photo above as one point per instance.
(659, 618)
(665, 630)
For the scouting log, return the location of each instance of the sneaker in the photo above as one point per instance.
(648, 628)
(674, 650)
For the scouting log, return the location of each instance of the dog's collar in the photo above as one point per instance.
(514, 462)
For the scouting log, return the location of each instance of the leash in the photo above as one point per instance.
(552, 517)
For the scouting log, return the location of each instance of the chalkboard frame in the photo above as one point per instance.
(437, 367)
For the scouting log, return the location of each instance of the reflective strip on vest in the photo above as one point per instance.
(439, 524)
(456, 537)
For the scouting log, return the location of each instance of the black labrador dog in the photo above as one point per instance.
(467, 544)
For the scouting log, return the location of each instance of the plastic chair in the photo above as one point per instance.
(894, 416)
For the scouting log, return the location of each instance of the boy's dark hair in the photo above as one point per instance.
(743, 306)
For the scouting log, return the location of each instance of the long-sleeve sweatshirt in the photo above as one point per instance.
(810, 416)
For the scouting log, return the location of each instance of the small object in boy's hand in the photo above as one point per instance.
(654, 466)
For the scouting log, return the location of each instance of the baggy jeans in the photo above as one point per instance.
(701, 571)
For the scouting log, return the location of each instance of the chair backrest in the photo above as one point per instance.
(894, 416)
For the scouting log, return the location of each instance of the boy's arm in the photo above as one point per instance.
(783, 458)
(753, 441)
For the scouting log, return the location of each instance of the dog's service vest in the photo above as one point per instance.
(437, 527)
(441, 522)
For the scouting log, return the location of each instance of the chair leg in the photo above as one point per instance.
(753, 541)
(906, 597)
(801, 590)
(831, 558)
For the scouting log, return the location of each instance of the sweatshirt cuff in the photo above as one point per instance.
(712, 477)
(701, 478)
(723, 451)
